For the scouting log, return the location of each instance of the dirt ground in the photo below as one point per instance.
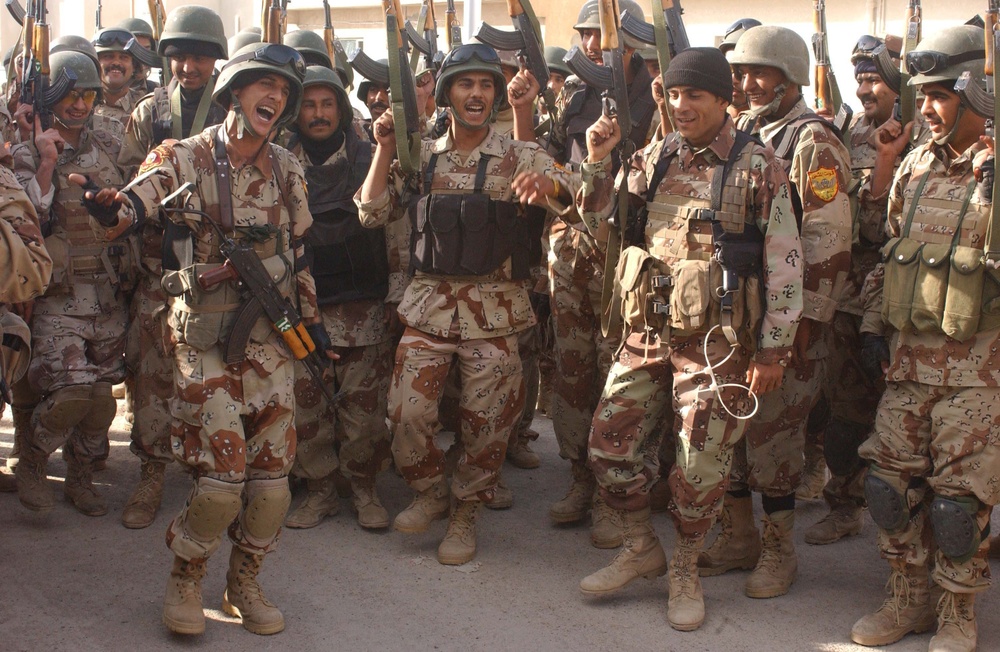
(76, 583)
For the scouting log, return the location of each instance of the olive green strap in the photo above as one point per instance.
(200, 115)
(969, 191)
(913, 203)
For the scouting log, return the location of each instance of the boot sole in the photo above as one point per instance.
(407, 529)
(260, 630)
(179, 627)
(651, 575)
(712, 571)
(685, 627)
(870, 641)
(39, 509)
(305, 525)
(567, 519)
(96, 512)
(606, 544)
(137, 525)
(823, 542)
(455, 560)
(761, 594)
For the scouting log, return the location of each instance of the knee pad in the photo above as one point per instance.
(65, 407)
(841, 443)
(267, 505)
(956, 531)
(213, 506)
(103, 408)
(886, 496)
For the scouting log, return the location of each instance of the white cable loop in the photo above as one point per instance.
(717, 388)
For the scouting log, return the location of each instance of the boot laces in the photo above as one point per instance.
(248, 585)
(463, 523)
(953, 609)
(145, 490)
(190, 579)
(683, 566)
(770, 554)
(900, 597)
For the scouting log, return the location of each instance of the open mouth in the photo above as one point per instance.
(266, 113)
(475, 109)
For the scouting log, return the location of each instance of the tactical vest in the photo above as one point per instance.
(700, 262)
(79, 258)
(936, 282)
(348, 261)
(162, 114)
(472, 234)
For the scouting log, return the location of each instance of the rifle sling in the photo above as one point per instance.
(200, 115)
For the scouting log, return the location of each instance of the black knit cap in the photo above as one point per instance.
(704, 68)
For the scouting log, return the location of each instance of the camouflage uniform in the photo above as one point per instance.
(233, 424)
(659, 364)
(79, 324)
(358, 327)
(476, 318)
(932, 437)
(818, 167)
(122, 109)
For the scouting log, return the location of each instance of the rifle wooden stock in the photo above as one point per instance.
(988, 29)
(453, 27)
(272, 29)
(41, 48)
(328, 38)
(610, 24)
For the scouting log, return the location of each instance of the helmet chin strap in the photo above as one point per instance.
(472, 127)
(772, 106)
(946, 139)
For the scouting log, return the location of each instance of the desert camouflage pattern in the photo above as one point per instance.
(491, 402)
(650, 378)
(657, 361)
(939, 440)
(466, 307)
(25, 263)
(122, 109)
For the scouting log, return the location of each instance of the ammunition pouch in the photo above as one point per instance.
(203, 318)
(348, 261)
(111, 262)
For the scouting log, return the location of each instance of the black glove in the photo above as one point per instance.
(874, 351)
(988, 169)
(105, 215)
(319, 337)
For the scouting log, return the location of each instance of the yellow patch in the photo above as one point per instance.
(824, 183)
(154, 159)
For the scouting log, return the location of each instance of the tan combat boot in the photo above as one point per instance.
(182, 612)
(320, 502)
(140, 510)
(842, 521)
(738, 544)
(21, 418)
(503, 497)
(33, 489)
(459, 543)
(79, 488)
(428, 506)
(521, 455)
(907, 609)
(686, 607)
(956, 621)
(366, 503)
(641, 556)
(813, 475)
(605, 526)
(245, 599)
(573, 507)
(660, 496)
(777, 566)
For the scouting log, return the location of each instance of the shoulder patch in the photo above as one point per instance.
(153, 159)
(824, 183)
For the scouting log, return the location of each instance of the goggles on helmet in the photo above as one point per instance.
(468, 51)
(927, 61)
(111, 37)
(276, 55)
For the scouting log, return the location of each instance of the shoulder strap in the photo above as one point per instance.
(722, 171)
(788, 136)
(222, 179)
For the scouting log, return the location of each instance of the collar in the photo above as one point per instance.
(770, 129)
(720, 146)
(263, 159)
(960, 162)
(492, 145)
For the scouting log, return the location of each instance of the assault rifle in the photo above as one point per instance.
(261, 298)
(15, 10)
(143, 55)
(36, 87)
(453, 30)
(331, 43)
(370, 69)
(671, 13)
(158, 16)
(827, 89)
(526, 39)
(905, 107)
(402, 90)
(271, 24)
(97, 17)
(427, 44)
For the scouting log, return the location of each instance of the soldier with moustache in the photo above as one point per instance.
(117, 74)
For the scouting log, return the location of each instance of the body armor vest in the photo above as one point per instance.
(162, 115)
(348, 261)
(936, 280)
(471, 234)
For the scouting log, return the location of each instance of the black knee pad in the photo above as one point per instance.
(956, 532)
(819, 415)
(841, 444)
(886, 496)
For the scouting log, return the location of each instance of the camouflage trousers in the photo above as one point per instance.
(853, 398)
(234, 423)
(648, 379)
(583, 355)
(941, 441)
(352, 435)
(151, 382)
(528, 347)
(489, 372)
(770, 459)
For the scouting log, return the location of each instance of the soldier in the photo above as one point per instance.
(244, 38)
(27, 268)
(716, 214)
(576, 280)
(773, 63)
(376, 98)
(193, 39)
(852, 394)
(117, 74)
(558, 72)
(234, 423)
(467, 302)
(733, 34)
(932, 483)
(310, 45)
(78, 326)
(143, 33)
(351, 269)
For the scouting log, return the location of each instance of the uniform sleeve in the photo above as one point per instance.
(378, 211)
(137, 141)
(597, 199)
(783, 267)
(821, 174)
(298, 207)
(25, 166)
(536, 159)
(143, 200)
(25, 264)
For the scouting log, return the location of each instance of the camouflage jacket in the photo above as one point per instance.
(121, 109)
(934, 358)
(355, 323)
(25, 264)
(769, 208)
(819, 169)
(472, 307)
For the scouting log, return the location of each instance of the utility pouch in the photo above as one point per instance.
(643, 305)
(691, 294)
(900, 256)
(930, 288)
(963, 303)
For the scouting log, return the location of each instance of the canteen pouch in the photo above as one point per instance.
(635, 271)
(900, 256)
(963, 304)
(930, 288)
(690, 294)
